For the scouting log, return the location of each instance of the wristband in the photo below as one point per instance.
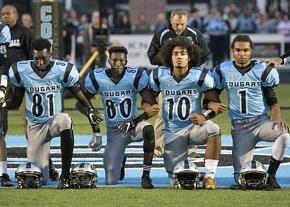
(208, 114)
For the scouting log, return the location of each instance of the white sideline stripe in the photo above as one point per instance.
(128, 150)
(131, 160)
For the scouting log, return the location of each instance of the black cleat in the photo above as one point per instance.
(5, 180)
(122, 174)
(53, 174)
(272, 181)
(146, 182)
(63, 183)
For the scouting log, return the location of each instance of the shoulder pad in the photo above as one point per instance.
(131, 70)
(59, 62)
(162, 68)
(196, 68)
(99, 70)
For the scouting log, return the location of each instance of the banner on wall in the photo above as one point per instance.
(137, 46)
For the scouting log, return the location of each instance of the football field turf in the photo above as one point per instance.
(128, 193)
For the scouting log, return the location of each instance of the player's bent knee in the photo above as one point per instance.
(285, 138)
(213, 129)
(65, 122)
(111, 177)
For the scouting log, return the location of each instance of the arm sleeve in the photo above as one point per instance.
(270, 96)
(3, 61)
(15, 101)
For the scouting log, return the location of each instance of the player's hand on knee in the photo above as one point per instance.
(127, 126)
(96, 142)
(281, 123)
(94, 116)
(197, 119)
(2, 97)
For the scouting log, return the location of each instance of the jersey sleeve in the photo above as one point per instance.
(14, 77)
(218, 77)
(89, 83)
(272, 79)
(208, 82)
(154, 80)
(5, 36)
(73, 77)
(143, 82)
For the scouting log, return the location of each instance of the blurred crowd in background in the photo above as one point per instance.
(216, 25)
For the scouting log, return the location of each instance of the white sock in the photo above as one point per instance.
(210, 167)
(3, 167)
(280, 147)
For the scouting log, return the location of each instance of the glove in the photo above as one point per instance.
(2, 97)
(94, 116)
(96, 142)
(127, 126)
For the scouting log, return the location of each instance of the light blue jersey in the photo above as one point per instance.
(180, 99)
(5, 35)
(43, 95)
(119, 99)
(245, 95)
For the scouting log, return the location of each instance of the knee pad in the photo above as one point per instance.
(65, 122)
(213, 129)
(149, 139)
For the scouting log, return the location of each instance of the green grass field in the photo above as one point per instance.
(137, 196)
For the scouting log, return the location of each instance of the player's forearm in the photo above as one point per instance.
(148, 97)
(79, 95)
(142, 117)
(96, 129)
(275, 112)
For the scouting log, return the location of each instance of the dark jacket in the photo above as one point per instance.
(19, 47)
(163, 35)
